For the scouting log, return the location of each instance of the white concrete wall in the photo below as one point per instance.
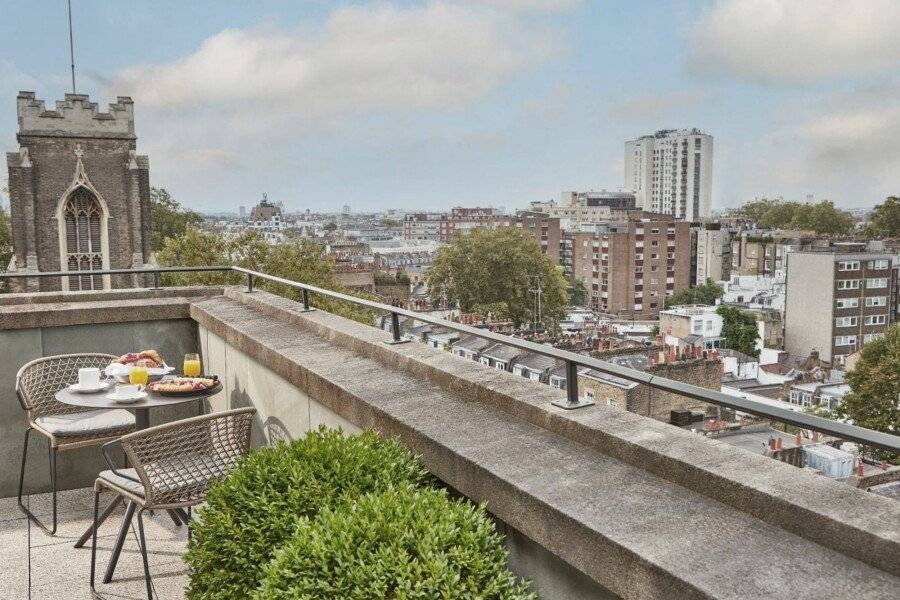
(283, 411)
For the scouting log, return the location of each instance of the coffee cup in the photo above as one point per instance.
(89, 378)
(127, 391)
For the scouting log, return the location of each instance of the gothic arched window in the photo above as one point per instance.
(83, 218)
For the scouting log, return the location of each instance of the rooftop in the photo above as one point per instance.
(595, 503)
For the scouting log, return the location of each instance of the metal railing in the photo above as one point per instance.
(572, 361)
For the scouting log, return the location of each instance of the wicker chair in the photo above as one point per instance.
(66, 427)
(173, 466)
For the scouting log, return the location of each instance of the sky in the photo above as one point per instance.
(437, 103)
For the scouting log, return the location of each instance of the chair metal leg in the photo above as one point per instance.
(120, 541)
(140, 518)
(94, 543)
(108, 511)
(53, 456)
(176, 518)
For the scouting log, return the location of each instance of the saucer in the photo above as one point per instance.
(126, 399)
(76, 387)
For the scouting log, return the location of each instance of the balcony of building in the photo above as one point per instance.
(594, 502)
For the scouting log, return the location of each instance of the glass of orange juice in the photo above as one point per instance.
(138, 376)
(192, 366)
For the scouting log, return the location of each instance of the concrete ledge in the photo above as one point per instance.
(830, 513)
(612, 518)
(55, 309)
(126, 294)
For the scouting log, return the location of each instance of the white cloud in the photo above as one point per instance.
(362, 59)
(535, 5)
(785, 42)
(655, 106)
(856, 134)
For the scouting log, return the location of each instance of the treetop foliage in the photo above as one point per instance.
(6, 245)
(739, 330)
(498, 268)
(874, 398)
(168, 218)
(298, 260)
(821, 217)
(706, 293)
(885, 219)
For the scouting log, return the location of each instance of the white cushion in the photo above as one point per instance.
(135, 487)
(86, 423)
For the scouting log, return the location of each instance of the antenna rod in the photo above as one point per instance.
(71, 47)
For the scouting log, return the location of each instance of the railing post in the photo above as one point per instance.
(395, 330)
(249, 283)
(306, 307)
(156, 280)
(572, 400)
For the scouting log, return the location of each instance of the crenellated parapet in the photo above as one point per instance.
(76, 115)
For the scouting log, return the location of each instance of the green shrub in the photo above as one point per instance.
(252, 511)
(404, 544)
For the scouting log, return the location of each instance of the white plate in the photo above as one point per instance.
(75, 387)
(126, 399)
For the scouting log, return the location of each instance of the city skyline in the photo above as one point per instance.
(538, 98)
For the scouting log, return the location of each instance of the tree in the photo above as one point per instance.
(498, 267)
(6, 245)
(874, 398)
(707, 293)
(330, 226)
(168, 218)
(739, 330)
(885, 219)
(577, 291)
(302, 261)
(821, 217)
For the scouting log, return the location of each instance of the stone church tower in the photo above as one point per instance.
(79, 193)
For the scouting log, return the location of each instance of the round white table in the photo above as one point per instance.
(141, 408)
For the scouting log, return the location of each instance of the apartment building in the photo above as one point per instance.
(670, 172)
(545, 230)
(440, 227)
(756, 254)
(837, 299)
(426, 226)
(713, 255)
(629, 267)
(576, 209)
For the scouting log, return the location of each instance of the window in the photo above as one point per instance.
(638, 257)
(876, 320)
(500, 366)
(871, 337)
(848, 284)
(589, 394)
(709, 325)
(877, 282)
(83, 219)
(845, 340)
(638, 307)
(876, 301)
(881, 263)
(611, 402)
(846, 321)
(847, 302)
(697, 326)
(848, 265)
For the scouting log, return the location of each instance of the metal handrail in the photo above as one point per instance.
(572, 361)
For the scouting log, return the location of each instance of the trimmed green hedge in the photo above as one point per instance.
(410, 544)
(250, 513)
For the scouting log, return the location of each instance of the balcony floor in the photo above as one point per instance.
(60, 571)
